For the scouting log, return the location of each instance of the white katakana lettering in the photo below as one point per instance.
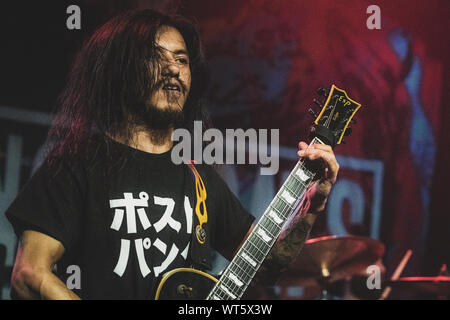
(128, 208)
(130, 204)
(166, 219)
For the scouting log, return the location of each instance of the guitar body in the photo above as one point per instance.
(185, 284)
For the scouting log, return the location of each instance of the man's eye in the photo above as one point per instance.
(183, 60)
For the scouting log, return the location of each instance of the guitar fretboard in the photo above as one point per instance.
(241, 270)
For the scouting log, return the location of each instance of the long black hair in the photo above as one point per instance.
(112, 78)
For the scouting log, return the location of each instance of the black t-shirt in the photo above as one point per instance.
(125, 224)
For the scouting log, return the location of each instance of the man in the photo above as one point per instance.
(108, 201)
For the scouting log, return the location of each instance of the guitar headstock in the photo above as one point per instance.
(337, 112)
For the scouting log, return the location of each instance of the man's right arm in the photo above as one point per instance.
(32, 276)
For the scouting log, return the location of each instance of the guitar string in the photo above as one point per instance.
(238, 290)
(235, 289)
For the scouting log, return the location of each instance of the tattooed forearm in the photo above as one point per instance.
(286, 249)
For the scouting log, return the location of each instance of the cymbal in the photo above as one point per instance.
(335, 257)
(439, 285)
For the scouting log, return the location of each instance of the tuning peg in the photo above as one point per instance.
(311, 112)
(317, 103)
(322, 92)
(348, 131)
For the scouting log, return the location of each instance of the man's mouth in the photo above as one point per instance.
(171, 87)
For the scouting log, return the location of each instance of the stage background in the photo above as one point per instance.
(267, 58)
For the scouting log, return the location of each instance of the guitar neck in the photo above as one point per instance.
(241, 270)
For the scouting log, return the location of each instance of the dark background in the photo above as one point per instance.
(267, 58)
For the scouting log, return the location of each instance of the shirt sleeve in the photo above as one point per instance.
(231, 220)
(51, 202)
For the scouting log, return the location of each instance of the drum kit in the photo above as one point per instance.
(325, 261)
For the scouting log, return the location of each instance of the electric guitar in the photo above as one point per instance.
(329, 127)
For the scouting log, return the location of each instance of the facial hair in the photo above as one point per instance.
(172, 115)
(162, 119)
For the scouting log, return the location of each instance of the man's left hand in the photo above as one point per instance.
(319, 191)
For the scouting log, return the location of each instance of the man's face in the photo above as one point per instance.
(174, 80)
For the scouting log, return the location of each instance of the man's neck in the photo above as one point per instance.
(151, 141)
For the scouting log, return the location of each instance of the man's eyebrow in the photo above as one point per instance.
(181, 51)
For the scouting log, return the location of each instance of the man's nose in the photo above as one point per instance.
(171, 68)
